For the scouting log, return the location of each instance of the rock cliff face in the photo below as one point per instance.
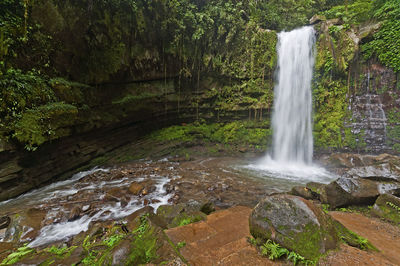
(371, 105)
(117, 117)
(357, 104)
(356, 99)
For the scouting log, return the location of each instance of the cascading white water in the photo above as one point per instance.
(291, 120)
(292, 141)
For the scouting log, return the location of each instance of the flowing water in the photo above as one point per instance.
(292, 140)
(99, 193)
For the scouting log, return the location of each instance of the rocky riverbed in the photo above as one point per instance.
(112, 199)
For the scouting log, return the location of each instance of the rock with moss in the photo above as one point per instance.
(352, 239)
(387, 207)
(304, 192)
(180, 214)
(294, 223)
(347, 191)
(136, 242)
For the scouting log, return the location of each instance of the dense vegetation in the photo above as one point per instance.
(56, 59)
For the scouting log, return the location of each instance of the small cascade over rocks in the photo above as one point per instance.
(292, 140)
(369, 121)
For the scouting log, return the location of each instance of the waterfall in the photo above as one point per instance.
(292, 140)
(291, 120)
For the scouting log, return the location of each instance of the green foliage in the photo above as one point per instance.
(44, 123)
(144, 245)
(18, 255)
(354, 13)
(386, 42)
(362, 242)
(325, 207)
(68, 91)
(113, 240)
(331, 90)
(60, 252)
(252, 241)
(330, 101)
(353, 239)
(237, 133)
(394, 206)
(288, 14)
(185, 219)
(180, 244)
(274, 251)
(19, 91)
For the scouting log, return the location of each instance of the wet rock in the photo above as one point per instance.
(124, 201)
(294, 223)
(130, 220)
(180, 214)
(4, 222)
(2, 234)
(207, 207)
(86, 208)
(347, 191)
(316, 19)
(204, 206)
(120, 253)
(174, 198)
(6, 248)
(25, 226)
(75, 213)
(387, 207)
(142, 188)
(304, 192)
(381, 172)
(343, 160)
(316, 187)
(117, 176)
(369, 29)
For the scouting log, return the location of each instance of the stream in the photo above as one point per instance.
(61, 210)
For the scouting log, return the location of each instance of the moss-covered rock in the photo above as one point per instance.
(352, 239)
(294, 223)
(180, 214)
(388, 207)
(105, 243)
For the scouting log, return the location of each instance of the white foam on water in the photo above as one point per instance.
(62, 231)
(292, 171)
(53, 190)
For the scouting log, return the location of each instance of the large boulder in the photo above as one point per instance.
(387, 207)
(347, 191)
(383, 172)
(294, 223)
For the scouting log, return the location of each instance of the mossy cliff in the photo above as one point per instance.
(70, 72)
(356, 88)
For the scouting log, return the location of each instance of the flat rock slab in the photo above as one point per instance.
(220, 240)
(382, 235)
